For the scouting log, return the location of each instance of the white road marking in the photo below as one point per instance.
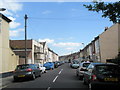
(60, 71)
(3, 87)
(48, 88)
(55, 78)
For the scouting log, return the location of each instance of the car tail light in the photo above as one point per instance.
(14, 71)
(29, 70)
(83, 69)
(94, 78)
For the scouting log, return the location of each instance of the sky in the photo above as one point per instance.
(65, 26)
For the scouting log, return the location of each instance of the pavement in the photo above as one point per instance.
(5, 81)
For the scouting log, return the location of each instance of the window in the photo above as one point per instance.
(90, 66)
(86, 65)
(108, 69)
(22, 67)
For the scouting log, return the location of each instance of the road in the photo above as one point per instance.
(61, 77)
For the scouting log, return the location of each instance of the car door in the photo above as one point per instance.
(34, 69)
(88, 73)
(37, 70)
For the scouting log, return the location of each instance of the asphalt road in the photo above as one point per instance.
(62, 77)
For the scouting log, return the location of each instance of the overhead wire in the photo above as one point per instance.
(64, 19)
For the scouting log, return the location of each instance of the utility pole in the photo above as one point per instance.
(25, 38)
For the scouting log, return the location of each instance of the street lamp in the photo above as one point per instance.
(2, 9)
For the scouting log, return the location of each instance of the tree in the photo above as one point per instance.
(110, 10)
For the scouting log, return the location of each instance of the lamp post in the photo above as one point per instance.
(25, 38)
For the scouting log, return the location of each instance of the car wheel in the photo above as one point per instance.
(84, 82)
(15, 79)
(40, 74)
(33, 77)
(77, 74)
(91, 86)
(80, 78)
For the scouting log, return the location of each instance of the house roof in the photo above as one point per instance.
(43, 43)
(5, 18)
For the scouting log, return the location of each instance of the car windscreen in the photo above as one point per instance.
(75, 62)
(108, 69)
(86, 64)
(22, 67)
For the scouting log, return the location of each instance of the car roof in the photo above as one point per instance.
(25, 64)
(86, 62)
(103, 64)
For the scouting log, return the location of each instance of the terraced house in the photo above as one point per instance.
(110, 42)
(8, 59)
(105, 46)
(37, 52)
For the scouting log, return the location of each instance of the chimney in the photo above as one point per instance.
(106, 28)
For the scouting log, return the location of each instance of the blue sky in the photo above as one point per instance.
(64, 25)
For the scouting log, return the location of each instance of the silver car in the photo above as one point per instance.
(26, 71)
(82, 68)
(74, 64)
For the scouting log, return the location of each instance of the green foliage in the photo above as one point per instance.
(109, 10)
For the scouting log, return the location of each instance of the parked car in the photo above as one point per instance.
(60, 63)
(49, 65)
(56, 64)
(82, 68)
(66, 61)
(74, 64)
(26, 71)
(102, 75)
(40, 66)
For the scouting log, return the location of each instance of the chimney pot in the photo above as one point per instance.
(106, 28)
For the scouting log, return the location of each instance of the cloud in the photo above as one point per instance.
(70, 49)
(46, 40)
(68, 44)
(46, 12)
(67, 47)
(15, 33)
(7, 13)
(11, 6)
(69, 38)
(68, 53)
(13, 24)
